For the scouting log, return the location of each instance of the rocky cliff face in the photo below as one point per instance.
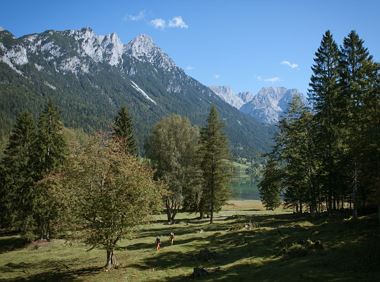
(267, 106)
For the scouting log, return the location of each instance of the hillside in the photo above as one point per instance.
(90, 76)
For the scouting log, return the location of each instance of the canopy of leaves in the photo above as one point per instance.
(112, 192)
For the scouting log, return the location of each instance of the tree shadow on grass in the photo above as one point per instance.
(178, 230)
(164, 244)
(11, 243)
(51, 271)
(351, 252)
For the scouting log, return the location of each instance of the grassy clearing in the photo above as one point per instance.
(273, 250)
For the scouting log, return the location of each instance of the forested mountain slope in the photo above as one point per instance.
(90, 76)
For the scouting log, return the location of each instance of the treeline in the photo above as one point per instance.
(100, 190)
(327, 157)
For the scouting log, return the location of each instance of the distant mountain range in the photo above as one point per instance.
(267, 106)
(91, 76)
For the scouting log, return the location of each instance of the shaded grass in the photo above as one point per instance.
(351, 251)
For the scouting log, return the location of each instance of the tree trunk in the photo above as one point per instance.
(110, 259)
(378, 212)
(334, 203)
(329, 203)
(172, 217)
(355, 192)
(168, 216)
(168, 210)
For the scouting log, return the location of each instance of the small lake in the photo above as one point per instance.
(245, 191)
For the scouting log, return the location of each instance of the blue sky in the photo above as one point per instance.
(242, 44)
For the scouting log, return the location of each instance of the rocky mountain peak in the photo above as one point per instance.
(271, 103)
(246, 96)
(227, 94)
(144, 49)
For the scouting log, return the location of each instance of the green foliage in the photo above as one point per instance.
(28, 202)
(48, 156)
(50, 147)
(325, 95)
(296, 152)
(172, 148)
(331, 156)
(214, 165)
(51, 206)
(358, 82)
(112, 192)
(270, 185)
(17, 175)
(124, 132)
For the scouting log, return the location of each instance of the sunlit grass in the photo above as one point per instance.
(256, 253)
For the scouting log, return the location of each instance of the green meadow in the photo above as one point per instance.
(246, 243)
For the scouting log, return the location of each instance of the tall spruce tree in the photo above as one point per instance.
(325, 96)
(214, 155)
(372, 165)
(123, 130)
(50, 147)
(296, 152)
(16, 194)
(49, 155)
(357, 73)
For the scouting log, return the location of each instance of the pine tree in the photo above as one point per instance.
(50, 147)
(270, 185)
(358, 73)
(17, 174)
(214, 155)
(325, 96)
(295, 146)
(373, 137)
(123, 130)
(49, 155)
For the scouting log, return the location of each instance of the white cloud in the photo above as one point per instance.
(1, 28)
(177, 22)
(289, 64)
(216, 76)
(158, 23)
(259, 78)
(189, 68)
(272, 79)
(138, 17)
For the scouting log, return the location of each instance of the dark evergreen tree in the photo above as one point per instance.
(214, 155)
(325, 96)
(50, 146)
(357, 77)
(123, 130)
(49, 155)
(296, 153)
(17, 175)
(270, 185)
